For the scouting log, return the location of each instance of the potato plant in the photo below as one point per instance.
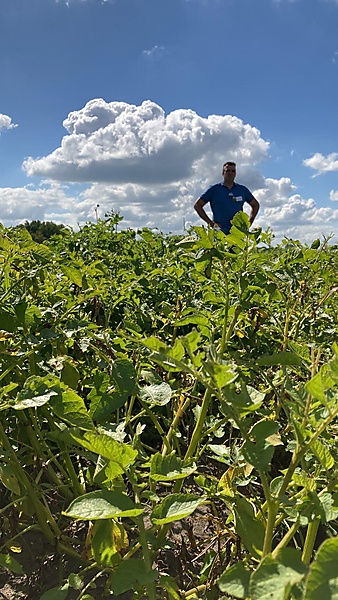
(148, 377)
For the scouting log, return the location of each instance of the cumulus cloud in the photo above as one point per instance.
(297, 217)
(122, 143)
(334, 195)
(321, 163)
(6, 122)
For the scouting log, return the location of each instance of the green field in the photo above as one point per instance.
(150, 382)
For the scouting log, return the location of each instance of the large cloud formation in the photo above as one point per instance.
(150, 167)
(121, 143)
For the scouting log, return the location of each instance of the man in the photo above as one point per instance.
(226, 199)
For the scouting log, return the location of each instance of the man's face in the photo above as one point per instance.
(229, 172)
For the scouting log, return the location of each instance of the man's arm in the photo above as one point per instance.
(254, 210)
(199, 208)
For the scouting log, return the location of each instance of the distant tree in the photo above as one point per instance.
(42, 230)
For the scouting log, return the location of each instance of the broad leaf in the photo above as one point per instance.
(8, 562)
(280, 358)
(274, 578)
(322, 581)
(108, 539)
(175, 507)
(156, 394)
(9, 479)
(235, 581)
(130, 573)
(102, 504)
(250, 529)
(169, 468)
(117, 452)
(57, 593)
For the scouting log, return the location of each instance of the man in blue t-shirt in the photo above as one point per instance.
(226, 199)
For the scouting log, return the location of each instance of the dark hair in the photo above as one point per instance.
(230, 163)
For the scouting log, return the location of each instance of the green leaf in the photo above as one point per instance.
(204, 237)
(241, 222)
(321, 383)
(235, 581)
(9, 479)
(72, 273)
(8, 562)
(248, 400)
(169, 468)
(8, 322)
(70, 375)
(234, 238)
(102, 504)
(280, 358)
(250, 529)
(108, 538)
(323, 454)
(259, 455)
(36, 392)
(191, 341)
(71, 408)
(193, 319)
(171, 587)
(124, 376)
(117, 452)
(264, 429)
(177, 351)
(328, 505)
(175, 507)
(57, 593)
(75, 581)
(221, 374)
(130, 573)
(153, 343)
(322, 581)
(274, 578)
(156, 394)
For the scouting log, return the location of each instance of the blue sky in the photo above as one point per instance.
(134, 105)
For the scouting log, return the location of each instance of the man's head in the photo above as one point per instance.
(229, 171)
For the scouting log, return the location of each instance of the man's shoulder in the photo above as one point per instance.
(212, 189)
(215, 186)
(240, 185)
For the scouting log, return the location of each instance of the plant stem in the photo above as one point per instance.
(286, 539)
(42, 512)
(310, 539)
(151, 587)
(183, 405)
(196, 436)
(273, 506)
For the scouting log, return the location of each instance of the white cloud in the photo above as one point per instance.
(299, 218)
(334, 195)
(6, 122)
(48, 202)
(321, 163)
(122, 143)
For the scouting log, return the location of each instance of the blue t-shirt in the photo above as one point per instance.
(226, 203)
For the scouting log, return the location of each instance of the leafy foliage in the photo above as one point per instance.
(146, 377)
